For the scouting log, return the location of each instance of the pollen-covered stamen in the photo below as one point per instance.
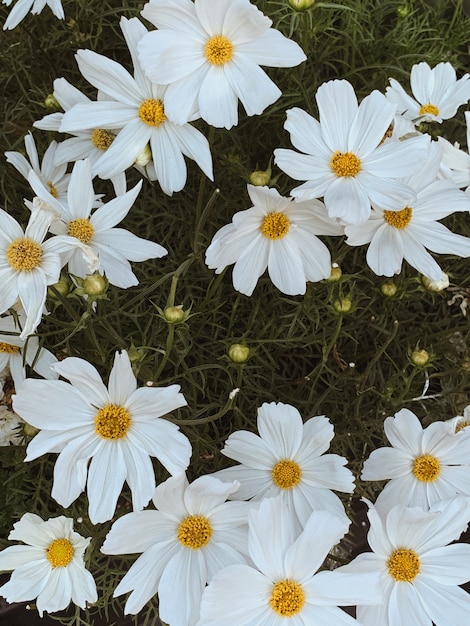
(429, 109)
(24, 254)
(7, 348)
(275, 225)
(399, 219)
(81, 229)
(194, 532)
(426, 468)
(403, 565)
(112, 422)
(286, 474)
(101, 139)
(152, 112)
(52, 189)
(461, 425)
(218, 50)
(287, 598)
(345, 164)
(60, 552)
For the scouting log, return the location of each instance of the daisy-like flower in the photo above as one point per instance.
(137, 108)
(89, 143)
(408, 234)
(276, 233)
(28, 264)
(15, 353)
(114, 247)
(50, 568)
(119, 428)
(460, 422)
(281, 587)
(345, 159)
(23, 7)
(209, 54)
(288, 458)
(437, 93)
(424, 465)
(419, 571)
(192, 535)
(52, 175)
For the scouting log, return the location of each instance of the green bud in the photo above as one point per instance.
(335, 274)
(388, 289)
(63, 287)
(260, 178)
(403, 11)
(174, 314)
(95, 285)
(420, 357)
(436, 285)
(301, 5)
(342, 305)
(50, 102)
(238, 352)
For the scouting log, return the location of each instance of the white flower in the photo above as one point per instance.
(114, 247)
(459, 423)
(191, 536)
(288, 458)
(346, 160)
(87, 143)
(456, 162)
(424, 465)
(10, 424)
(419, 571)
(15, 352)
(23, 7)
(118, 428)
(437, 93)
(138, 109)
(275, 233)
(281, 587)
(52, 175)
(209, 54)
(50, 567)
(407, 234)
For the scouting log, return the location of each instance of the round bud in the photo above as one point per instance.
(335, 274)
(436, 285)
(238, 352)
(301, 5)
(260, 178)
(95, 285)
(174, 314)
(342, 305)
(420, 357)
(388, 289)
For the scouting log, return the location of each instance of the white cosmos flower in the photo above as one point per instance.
(137, 107)
(16, 353)
(437, 93)
(209, 54)
(192, 535)
(346, 160)
(419, 571)
(23, 7)
(282, 587)
(51, 174)
(408, 234)
(276, 233)
(288, 458)
(423, 466)
(89, 143)
(114, 247)
(50, 568)
(119, 428)
(456, 162)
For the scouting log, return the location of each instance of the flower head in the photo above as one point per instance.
(50, 567)
(23, 7)
(119, 428)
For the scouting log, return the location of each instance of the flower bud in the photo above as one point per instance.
(260, 178)
(335, 274)
(342, 305)
(388, 289)
(403, 11)
(301, 5)
(62, 287)
(420, 357)
(50, 102)
(144, 157)
(174, 314)
(95, 285)
(436, 285)
(238, 352)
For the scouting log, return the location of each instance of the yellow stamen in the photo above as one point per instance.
(112, 422)
(52, 189)
(399, 219)
(461, 426)
(101, 139)
(275, 225)
(287, 598)
(152, 112)
(7, 348)
(403, 565)
(426, 468)
(286, 474)
(60, 552)
(81, 229)
(195, 532)
(218, 50)
(24, 254)
(430, 109)
(345, 164)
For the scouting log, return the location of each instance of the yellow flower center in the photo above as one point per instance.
(345, 164)
(275, 225)
(52, 189)
(8, 348)
(152, 112)
(286, 474)
(287, 598)
(426, 468)
(430, 109)
(403, 565)
(218, 50)
(81, 229)
(101, 139)
(60, 552)
(461, 426)
(195, 532)
(112, 422)
(399, 219)
(24, 254)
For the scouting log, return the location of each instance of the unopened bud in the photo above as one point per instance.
(388, 289)
(335, 274)
(144, 157)
(95, 285)
(403, 11)
(238, 352)
(50, 102)
(420, 357)
(260, 178)
(62, 287)
(342, 305)
(174, 314)
(301, 5)
(436, 285)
